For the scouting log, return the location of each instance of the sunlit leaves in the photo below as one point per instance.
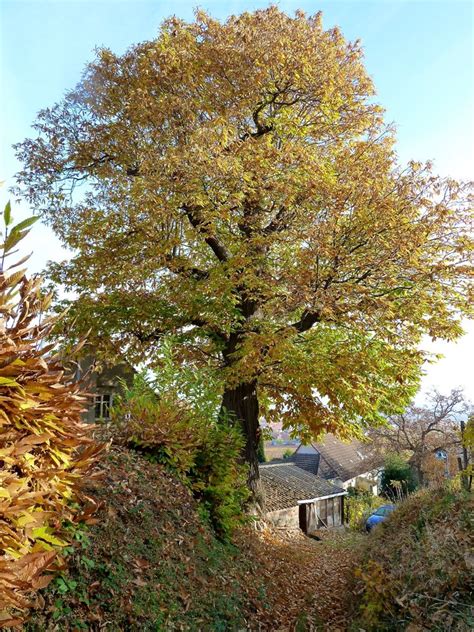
(45, 449)
(239, 189)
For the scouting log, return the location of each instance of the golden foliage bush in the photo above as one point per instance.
(161, 427)
(417, 568)
(45, 449)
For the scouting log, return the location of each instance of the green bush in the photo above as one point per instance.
(217, 478)
(179, 427)
(397, 478)
(360, 504)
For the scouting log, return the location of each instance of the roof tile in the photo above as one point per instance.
(284, 484)
(342, 460)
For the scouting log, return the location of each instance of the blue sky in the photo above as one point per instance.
(420, 54)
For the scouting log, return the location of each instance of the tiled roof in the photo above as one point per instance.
(308, 462)
(341, 460)
(284, 484)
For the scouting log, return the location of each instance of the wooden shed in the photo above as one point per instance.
(295, 498)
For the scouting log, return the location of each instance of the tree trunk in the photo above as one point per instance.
(420, 474)
(241, 405)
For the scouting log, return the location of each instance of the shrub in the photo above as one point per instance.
(417, 568)
(45, 449)
(397, 478)
(218, 478)
(160, 426)
(178, 426)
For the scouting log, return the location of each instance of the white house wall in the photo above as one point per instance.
(367, 481)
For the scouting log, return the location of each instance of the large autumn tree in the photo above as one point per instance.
(234, 184)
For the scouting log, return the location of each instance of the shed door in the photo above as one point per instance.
(303, 518)
(308, 517)
(312, 517)
(330, 512)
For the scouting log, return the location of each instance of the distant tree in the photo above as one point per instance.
(421, 430)
(234, 184)
(397, 478)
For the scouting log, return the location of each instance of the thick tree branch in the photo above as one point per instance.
(176, 265)
(159, 332)
(218, 248)
(307, 320)
(281, 221)
(261, 127)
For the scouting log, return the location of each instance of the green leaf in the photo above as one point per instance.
(44, 533)
(7, 381)
(26, 223)
(7, 214)
(13, 238)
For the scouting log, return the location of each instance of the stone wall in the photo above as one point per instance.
(287, 518)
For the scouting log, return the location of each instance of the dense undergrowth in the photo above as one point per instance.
(418, 566)
(175, 421)
(148, 564)
(151, 563)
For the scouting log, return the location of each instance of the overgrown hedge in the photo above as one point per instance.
(203, 451)
(418, 566)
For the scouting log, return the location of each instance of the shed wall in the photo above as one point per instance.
(323, 513)
(288, 518)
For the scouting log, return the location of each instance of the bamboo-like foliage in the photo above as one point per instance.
(45, 449)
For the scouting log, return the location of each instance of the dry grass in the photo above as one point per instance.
(277, 451)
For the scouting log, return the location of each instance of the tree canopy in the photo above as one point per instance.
(234, 184)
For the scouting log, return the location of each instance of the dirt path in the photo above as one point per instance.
(309, 582)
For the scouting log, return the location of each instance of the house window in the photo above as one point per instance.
(102, 406)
